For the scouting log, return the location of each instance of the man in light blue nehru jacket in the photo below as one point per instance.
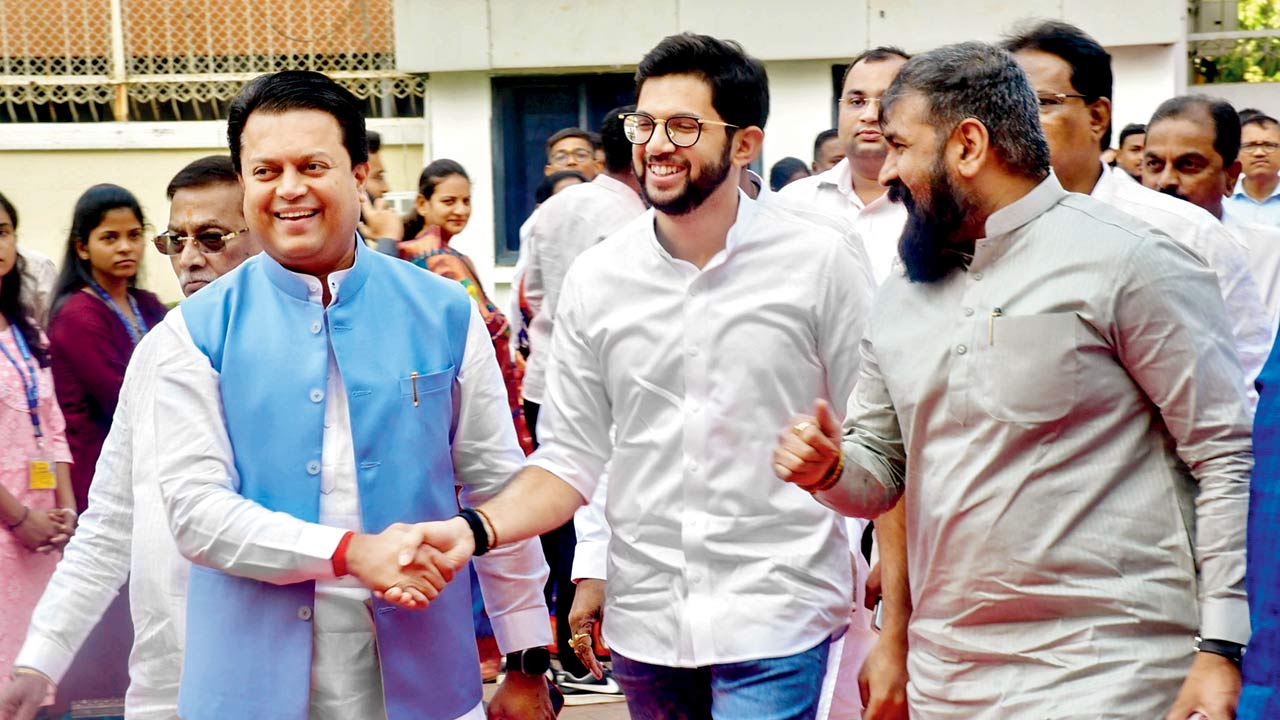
(326, 394)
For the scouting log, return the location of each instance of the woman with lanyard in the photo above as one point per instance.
(35, 463)
(99, 316)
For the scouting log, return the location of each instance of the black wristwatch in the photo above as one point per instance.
(1232, 651)
(532, 661)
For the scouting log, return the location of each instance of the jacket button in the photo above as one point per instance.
(317, 395)
(313, 467)
(304, 613)
(316, 327)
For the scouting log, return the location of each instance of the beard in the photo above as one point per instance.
(931, 243)
(696, 190)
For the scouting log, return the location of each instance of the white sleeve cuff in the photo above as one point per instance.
(590, 558)
(45, 655)
(317, 543)
(1225, 620)
(521, 629)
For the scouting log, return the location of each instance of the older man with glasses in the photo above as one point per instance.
(206, 239)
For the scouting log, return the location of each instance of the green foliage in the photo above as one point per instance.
(1251, 60)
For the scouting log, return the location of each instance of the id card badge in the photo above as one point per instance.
(42, 476)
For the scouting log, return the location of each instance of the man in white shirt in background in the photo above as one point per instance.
(123, 535)
(1193, 143)
(827, 151)
(567, 224)
(677, 341)
(1071, 73)
(851, 189)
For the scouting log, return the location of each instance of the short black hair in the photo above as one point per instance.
(782, 171)
(596, 141)
(1258, 118)
(547, 185)
(1226, 123)
(569, 132)
(1131, 129)
(821, 139)
(1247, 113)
(1090, 63)
(976, 80)
(288, 90)
(614, 142)
(739, 83)
(880, 53)
(373, 139)
(209, 170)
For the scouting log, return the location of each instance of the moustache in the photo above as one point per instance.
(1173, 192)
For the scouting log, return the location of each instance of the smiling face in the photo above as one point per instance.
(114, 246)
(1180, 160)
(215, 209)
(449, 206)
(677, 180)
(300, 189)
(859, 122)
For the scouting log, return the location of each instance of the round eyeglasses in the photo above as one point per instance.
(209, 242)
(682, 130)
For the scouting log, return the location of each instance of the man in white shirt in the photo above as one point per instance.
(313, 432)
(687, 332)
(1071, 73)
(850, 189)
(567, 224)
(1062, 370)
(206, 238)
(1191, 154)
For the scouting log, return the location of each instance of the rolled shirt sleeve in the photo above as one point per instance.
(1172, 335)
(486, 455)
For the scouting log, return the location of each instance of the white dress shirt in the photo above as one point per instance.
(1264, 258)
(1052, 409)
(569, 222)
(215, 526)
(124, 535)
(1196, 230)
(713, 559)
(879, 222)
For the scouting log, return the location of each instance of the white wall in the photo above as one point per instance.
(1263, 96)
(800, 108)
(1145, 76)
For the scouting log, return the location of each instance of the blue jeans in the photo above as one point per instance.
(785, 688)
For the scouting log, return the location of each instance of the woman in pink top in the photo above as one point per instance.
(36, 504)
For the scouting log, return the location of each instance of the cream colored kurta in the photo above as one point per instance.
(1039, 405)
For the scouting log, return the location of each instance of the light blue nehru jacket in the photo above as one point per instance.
(248, 651)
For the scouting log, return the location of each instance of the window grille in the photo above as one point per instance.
(89, 60)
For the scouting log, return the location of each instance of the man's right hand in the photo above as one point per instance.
(882, 681)
(447, 543)
(22, 697)
(374, 560)
(379, 220)
(587, 611)
(809, 448)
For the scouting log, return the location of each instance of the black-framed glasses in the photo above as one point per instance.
(682, 130)
(1266, 148)
(859, 103)
(1052, 100)
(209, 242)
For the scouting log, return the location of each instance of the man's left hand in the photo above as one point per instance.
(1212, 687)
(522, 697)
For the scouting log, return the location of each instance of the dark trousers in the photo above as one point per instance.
(558, 546)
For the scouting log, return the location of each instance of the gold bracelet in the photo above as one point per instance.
(829, 480)
(493, 529)
(22, 670)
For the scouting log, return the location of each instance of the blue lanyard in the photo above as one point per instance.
(135, 333)
(30, 383)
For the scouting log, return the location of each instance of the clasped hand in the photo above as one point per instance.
(808, 448)
(409, 565)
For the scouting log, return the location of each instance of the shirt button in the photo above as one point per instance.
(695, 578)
(693, 351)
(304, 613)
(693, 467)
(316, 327)
(313, 467)
(961, 350)
(968, 312)
(317, 395)
(977, 275)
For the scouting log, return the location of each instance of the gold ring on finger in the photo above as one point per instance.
(801, 426)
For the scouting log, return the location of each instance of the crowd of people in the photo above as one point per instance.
(1045, 369)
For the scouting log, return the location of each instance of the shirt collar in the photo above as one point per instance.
(1240, 193)
(840, 176)
(308, 287)
(1026, 208)
(746, 211)
(614, 185)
